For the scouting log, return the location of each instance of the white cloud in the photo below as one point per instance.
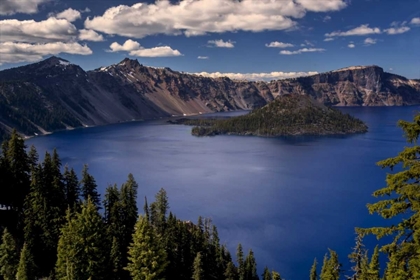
(329, 39)
(370, 41)
(86, 10)
(11, 7)
(322, 6)
(202, 57)
(135, 49)
(326, 19)
(415, 21)
(351, 46)
(69, 14)
(391, 69)
(279, 45)
(257, 76)
(397, 30)
(307, 43)
(304, 50)
(362, 30)
(90, 35)
(22, 52)
(192, 18)
(30, 31)
(221, 44)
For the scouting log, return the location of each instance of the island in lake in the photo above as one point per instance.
(286, 115)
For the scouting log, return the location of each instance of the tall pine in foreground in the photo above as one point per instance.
(26, 269)
(89, 188)
(83, 247)
(9, 258)
(399, 200)
(331, 268)
(313, 273)
(147, 258)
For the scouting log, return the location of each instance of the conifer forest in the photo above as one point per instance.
(55, 225)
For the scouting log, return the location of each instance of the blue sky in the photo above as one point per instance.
(254, 39)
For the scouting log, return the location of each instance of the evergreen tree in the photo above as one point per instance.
(146, 209)
(26, 268)
(116, 260)
(83, 247)
(71, 188)
(89, 188)
(33, 157)
(357, 257)
(276, 275)
(231, 273)
(159, 209)
(147, 258)
(198, 271)
(251, 267)
(266, 274)
(400, 202)
(240, 261)
(313, 273)
(9, 258)
(331, 268)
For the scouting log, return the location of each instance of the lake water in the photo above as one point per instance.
(289, 199)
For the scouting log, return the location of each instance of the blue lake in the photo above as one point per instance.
(289, 199)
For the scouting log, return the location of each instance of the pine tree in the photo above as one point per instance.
(71, 189)
(159, 209)
(357, 258)
(331, 268)
(240, 261)
(276, 275)
(313, 273)
(400, 202)
(250, 267)
(116, 260)
(89, 188)
(83, 247)
(9, 258)
(147, 258)
(231, 273)
(26, 268)
(266, 274)
(198, 271)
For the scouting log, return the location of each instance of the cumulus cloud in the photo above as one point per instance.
(90, 35)
(135, 49)
(194, 18)
(279, 45)
(69, 14)
(370, 41)
(362, 30)
(30, 31)
(304, 50)
(22, 52)
(202, 57)
(415, 21)
(11, 7)
(257, 76)
(351, 46)
(221, 44)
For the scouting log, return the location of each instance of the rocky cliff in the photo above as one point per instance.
(55, 94)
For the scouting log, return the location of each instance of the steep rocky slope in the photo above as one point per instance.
(55, 94)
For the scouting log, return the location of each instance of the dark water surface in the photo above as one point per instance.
(289, 199)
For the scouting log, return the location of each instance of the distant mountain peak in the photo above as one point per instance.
(359, 67)
(130, 63)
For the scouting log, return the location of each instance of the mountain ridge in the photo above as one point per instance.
(67, 96)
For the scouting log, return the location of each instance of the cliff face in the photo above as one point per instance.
(55, 94)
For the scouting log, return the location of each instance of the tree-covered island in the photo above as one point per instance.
(286, 115)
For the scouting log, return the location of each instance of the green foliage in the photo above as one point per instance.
(287, 115)
(250, 267)
(313, 273)
(400, 198)
(198, 272)
(276, 275)
(89, 188)
(231, 272)
(26, 268)
(331, 268)
(147, 257)
(240, 261)
(9, 258)
(266, 274)
(83, 248)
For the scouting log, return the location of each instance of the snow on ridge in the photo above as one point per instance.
(65, 63)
